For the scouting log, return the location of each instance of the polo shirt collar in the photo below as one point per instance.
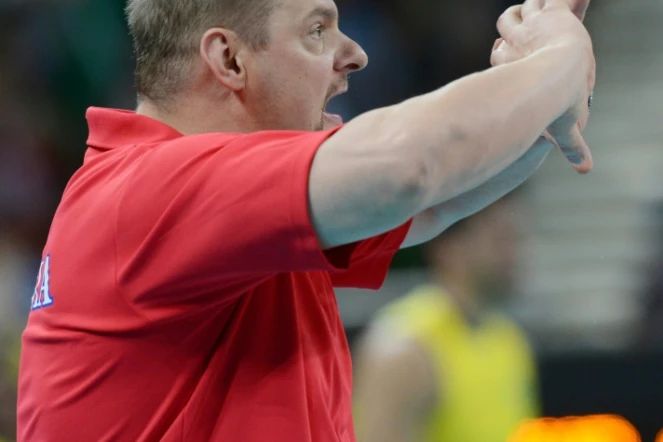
(114, 128)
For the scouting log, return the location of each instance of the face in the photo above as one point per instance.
(307, 63)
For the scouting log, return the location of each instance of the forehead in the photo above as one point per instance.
(300, 10)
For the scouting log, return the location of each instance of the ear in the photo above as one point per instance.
(221, 50)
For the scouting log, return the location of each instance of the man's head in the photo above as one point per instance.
(271, 64)
(482, 249)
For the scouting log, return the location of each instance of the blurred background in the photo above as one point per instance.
(589, 273)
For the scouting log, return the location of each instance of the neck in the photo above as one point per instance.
(199, 115)
(461, 288)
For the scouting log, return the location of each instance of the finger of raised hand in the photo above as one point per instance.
(502, 53)
(497, 44)
(509, 21)
(578, 7)
(530, 7)
(498, 56)
(575, 149)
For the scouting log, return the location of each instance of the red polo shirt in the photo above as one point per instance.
(183, 295)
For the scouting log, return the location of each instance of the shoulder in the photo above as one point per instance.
(414, 314)
(388, 358)
(269, 138)
(275, 147)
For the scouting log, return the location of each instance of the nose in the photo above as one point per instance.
(351, 57)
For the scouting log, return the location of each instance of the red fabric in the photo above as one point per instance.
(190, 298)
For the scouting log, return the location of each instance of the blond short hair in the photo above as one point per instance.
(166, 36)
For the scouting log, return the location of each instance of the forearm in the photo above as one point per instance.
(472, 129)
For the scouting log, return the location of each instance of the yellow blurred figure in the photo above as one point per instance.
(441, 364)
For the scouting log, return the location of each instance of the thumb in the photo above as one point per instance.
(497, 44)
(499, 55)
(502, 53)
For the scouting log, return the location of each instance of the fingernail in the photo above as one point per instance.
(575, 159)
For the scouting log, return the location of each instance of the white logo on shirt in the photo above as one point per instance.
(41, 297)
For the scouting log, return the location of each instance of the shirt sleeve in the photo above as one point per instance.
(369, 260)
(216, 212)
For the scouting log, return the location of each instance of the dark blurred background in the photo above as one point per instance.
(590, 279)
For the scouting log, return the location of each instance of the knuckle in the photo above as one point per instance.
(501, 20)
(497, 59)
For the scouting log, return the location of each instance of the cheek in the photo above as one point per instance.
(314, 81)
(294, 83)
(313, 73)
(297, 82)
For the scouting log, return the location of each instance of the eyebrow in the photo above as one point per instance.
(328, 14)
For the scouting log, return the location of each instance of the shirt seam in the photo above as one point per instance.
(295, 216)
(305, 238)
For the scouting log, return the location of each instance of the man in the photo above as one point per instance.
(440, 363)
(186, 288)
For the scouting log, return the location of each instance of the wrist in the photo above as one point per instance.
(577, 64)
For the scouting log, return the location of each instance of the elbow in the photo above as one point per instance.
(447, 151)
(413, 185)
(401, 170)
(422, 160)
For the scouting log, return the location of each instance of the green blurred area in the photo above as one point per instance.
(409, 258)
(9, 360)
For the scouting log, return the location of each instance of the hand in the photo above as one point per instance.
(535, 25)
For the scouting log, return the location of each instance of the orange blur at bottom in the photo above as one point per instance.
(600, 428)
(659, 437)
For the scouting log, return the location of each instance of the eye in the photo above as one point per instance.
(319, 31)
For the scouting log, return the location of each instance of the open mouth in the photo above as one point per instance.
(329, 118)
(332, 119)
